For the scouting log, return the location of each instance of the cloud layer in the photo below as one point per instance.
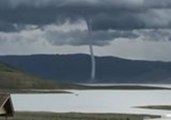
(111, 19)
(106, 14)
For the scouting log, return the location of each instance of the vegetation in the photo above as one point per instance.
(73, 116)
(13, 80)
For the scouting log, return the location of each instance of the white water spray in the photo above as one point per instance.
(93, 61)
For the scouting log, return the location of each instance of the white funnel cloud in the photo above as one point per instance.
(93, 61)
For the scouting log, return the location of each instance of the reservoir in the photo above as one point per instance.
(95, 101)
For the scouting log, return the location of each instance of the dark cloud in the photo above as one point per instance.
(7, 27)
(111, 19)
(106, 14)
(157, 3)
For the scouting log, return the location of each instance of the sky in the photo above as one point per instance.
(132, 29)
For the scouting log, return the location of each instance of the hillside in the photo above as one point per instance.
(11, 78)
(76, 68)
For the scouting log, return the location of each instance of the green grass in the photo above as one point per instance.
(6, 68)
(73, 116)
(16, 81)
(12, 79)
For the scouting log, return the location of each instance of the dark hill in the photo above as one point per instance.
(12, 78)
(76, 68)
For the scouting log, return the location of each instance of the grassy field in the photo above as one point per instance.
(73, 116)
(14, 80)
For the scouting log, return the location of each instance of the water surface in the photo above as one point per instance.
(95, 101)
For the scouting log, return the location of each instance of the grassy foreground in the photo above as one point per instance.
(72, 116)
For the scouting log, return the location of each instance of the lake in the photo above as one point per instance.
(95, 101)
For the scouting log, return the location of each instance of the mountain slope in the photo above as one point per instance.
(76, 68)
(11, 78)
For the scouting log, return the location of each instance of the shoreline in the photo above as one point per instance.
(26, 115)
(88, 87)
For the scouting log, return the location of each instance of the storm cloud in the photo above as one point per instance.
(106, 14)
(111, 19)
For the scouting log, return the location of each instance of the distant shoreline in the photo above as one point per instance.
(87, 87)
(156, 107)
(126, 87)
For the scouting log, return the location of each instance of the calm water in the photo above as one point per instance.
(95, 101)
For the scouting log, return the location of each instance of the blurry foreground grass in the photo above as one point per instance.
(72, 116)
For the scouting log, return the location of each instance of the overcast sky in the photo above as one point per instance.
(135, 29)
